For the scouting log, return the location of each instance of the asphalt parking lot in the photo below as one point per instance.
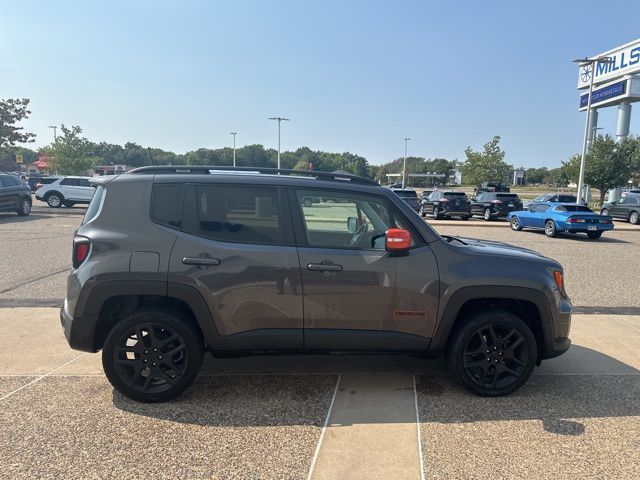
(321, 417)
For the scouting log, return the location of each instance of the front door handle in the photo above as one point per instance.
(200, 261)
(324, 267)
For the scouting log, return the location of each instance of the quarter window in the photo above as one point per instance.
(167, 205)
(238, 214)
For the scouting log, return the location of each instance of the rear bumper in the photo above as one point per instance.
(79, 331)
(557, 339)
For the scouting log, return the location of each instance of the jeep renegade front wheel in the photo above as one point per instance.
(152, 355)
(493, 353)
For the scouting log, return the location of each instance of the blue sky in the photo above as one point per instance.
(354, 76)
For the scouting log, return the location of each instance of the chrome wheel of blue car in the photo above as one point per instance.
(515, 224)
(550, 229)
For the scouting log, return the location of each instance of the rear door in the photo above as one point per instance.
(237, 249)
(358, 296)
(84, 190)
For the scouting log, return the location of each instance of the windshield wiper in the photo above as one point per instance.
(449, 239)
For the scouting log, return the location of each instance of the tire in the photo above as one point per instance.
(436, 213)
(550, 229)
(54, 200)
(164, 332)
(422, 212)
(515, 224)
(486, 214)
(69, 204)
(307, 202)
(594, 235)
(512, 353)
(604, 211)
(634, 218)
(25, 208)
(464, 217)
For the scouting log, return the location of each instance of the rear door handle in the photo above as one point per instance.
(200, 261)
(324, 267)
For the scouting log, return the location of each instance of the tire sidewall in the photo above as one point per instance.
(174, 320)
(631, 218)
(552, 233)
(515, 220)
(486, 214)
(25, 208)
(52, 195)
(470, 326)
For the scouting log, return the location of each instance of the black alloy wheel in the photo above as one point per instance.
(152, 356)
(494, 353)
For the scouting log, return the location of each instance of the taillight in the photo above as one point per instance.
(444, 200)
(576, 220)
(496, 202)
(81, 247)
(38, 185)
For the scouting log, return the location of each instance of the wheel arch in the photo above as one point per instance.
(528, 304)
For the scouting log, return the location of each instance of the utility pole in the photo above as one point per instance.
(404, 163)
(234, 146)
(55, 136)
(279, 119)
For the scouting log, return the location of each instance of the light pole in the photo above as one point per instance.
(55, 136)
(404, 163)
(279, 119)
(587, 64)
(234, 146)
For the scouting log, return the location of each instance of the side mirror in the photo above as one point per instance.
(397, 239)
(352, 224)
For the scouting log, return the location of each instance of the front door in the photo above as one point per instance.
(236, 248)
(358, 296)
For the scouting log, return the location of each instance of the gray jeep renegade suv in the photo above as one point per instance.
(172, 261)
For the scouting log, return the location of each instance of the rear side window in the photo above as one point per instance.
(167, 205)
(83, 182)
(238, 214)
(455, 194)
(509, 196)
(94, 206)
(71, 182)
(566, 198)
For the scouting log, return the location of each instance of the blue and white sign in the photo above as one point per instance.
(625, 61)
(612, 93)
(604, 93)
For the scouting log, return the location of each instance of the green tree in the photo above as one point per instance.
(71, 153)
(485, 166)
(608, 165)
(13, 111)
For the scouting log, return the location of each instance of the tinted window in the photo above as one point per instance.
(455, 194)
(238, 214)
(482, 197)
(508, 196)
(630, 200)
(566, 198)
(83, 182)
(573, 208)
(540, 208)
(406, 193)
(3, 181)
(94, 206)
(348, 220)
(71, 182)
(167, 205)
(10, 181)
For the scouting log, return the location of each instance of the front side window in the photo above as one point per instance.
(345, 220)
(238, 214)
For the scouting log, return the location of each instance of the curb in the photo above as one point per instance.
(57, 211)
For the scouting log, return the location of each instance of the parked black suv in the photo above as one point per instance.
(627, 208)
(172, 261)
(14, 195)
(446, 204)
(491, 187)
(492, 205)
(409, 195)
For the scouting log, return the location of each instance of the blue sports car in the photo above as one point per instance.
(554, 218)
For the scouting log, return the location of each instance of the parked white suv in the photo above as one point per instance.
(66, 191)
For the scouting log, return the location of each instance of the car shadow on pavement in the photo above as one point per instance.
(558, 400)
(249, 398)
(580, 237)
(13, 218)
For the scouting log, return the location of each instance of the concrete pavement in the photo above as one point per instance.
(263, 417)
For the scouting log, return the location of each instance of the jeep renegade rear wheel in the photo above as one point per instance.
(152, 355)
(493, 353)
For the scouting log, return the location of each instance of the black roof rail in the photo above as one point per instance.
(203, 169)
